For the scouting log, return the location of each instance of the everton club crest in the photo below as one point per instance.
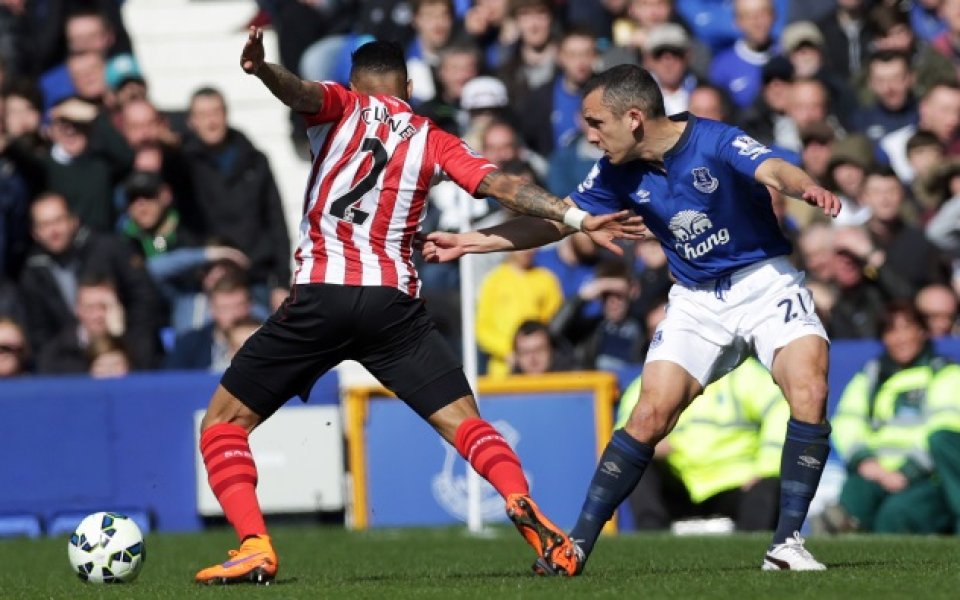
(704, 181)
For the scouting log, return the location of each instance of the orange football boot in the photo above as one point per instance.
(556, 553)
(255, 562)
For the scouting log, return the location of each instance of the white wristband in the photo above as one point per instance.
(574, 218)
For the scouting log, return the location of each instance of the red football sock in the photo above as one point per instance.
(233, 476)
(491, 456)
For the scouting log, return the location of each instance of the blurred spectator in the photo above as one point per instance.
(14, 220)
(513, 292)
(535, 352)
(148, 132)
(817, 252)
(488, 23)
(929, 188)
(88, 74)
(99, 314)
(666, 54)
(803, 44)
(611, 340)
(90, 31)
(897, 427)
(939, 111)
(816, 141)
(125, 81)
(172, 253)
(21, 104)
(846, 38)
(550, 110)
(946, 42)
(890, 26)
(710, 102)
(717, 22)
(928, 18)
(459, 63)
(88, 158)
(433, 22)
(737, 70)
(903, 245)
(808, 103)
(890, 80)
(596, 16)
(850, 159)
(569, 163)
(865, 284)
(630, 35)
(237, 196)
(485, 100)
(67, 253)
(241, 330)
(572, 260)
(943, 229)
(14, 351)
(721, 459)
(500, 143)
(209, 347)
(937, 304)
(108, 357)
(532, 61)
(766, 117)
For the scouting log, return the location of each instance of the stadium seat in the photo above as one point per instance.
(20, 525)
(65, 522)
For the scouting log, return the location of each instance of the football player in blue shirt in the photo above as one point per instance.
(701, 188)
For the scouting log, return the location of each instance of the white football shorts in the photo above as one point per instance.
(710, 329)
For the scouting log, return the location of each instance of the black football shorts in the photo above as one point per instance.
(320, 325)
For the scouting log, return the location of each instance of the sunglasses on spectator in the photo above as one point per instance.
(674, 51)
(10, 349)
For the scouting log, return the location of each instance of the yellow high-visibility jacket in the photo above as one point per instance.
(890, 417)
(731, 434)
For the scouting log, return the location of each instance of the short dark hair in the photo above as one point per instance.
(885, 56)
(923, 139)
(885, 171)
(26, 89)
(628, 86)
(208, 91)
(529, 327)
(379, 57)
(901, 307)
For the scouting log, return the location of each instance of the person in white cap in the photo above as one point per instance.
(666, 54)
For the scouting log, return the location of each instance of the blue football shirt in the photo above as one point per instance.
(709, 213)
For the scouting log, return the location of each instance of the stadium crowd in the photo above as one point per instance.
(133, 239)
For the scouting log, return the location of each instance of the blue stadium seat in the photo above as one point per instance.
(20, 525)
(65, 522)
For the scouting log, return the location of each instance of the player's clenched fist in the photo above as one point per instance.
(252, 56)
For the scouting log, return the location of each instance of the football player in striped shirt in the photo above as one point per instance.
(355, 294)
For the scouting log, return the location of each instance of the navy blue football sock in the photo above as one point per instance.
(621, 465)
(804, 454)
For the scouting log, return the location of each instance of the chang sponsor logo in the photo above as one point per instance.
(690, 230)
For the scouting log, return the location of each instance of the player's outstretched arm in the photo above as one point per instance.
(301, 96)
(532, 200)
(794, 182)
(527, 232)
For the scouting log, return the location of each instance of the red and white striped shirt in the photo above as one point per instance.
(374, 161)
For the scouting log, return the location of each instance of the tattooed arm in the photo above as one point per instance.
(523, 197)
(301, 96)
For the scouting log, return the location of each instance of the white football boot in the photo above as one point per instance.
(791, 556)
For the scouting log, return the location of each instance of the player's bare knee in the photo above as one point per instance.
(227, 408)
(648, 424)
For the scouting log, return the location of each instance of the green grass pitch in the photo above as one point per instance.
(330, 562)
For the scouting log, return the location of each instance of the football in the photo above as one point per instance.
(106, 547)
